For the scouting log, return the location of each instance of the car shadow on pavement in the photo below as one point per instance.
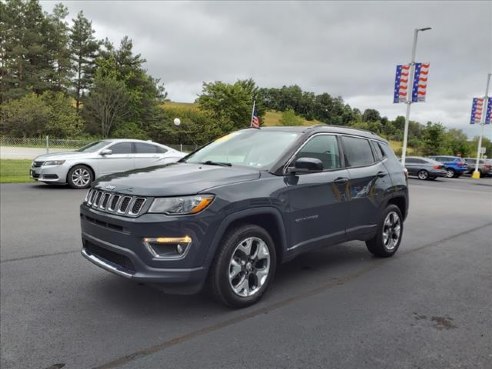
(304, 273)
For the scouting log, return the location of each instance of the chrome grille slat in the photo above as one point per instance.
(114, 203)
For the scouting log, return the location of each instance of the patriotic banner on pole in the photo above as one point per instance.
(401, 83)
(488, 116)
(419, 88)
(477, 110)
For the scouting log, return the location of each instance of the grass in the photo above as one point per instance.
(14, 171)
(272, 118)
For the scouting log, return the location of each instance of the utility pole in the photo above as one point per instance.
(476, 173)
(409, 92)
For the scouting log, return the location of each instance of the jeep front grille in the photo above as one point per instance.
(115, 203)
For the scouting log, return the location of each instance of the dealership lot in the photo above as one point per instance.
(429, 307)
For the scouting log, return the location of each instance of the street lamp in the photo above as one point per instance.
(409, 92)
(177, 122)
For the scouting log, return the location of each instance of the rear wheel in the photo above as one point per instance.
(423, 174)
(389, 233)
(80, 176)
(244, 266)
(450, 172)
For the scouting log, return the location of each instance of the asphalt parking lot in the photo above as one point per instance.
(430, 306)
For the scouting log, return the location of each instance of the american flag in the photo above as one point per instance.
(419, 88)
(255, 120)
(401, 83)
(488, 116)
(477, 110)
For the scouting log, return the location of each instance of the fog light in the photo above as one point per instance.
(168, 247)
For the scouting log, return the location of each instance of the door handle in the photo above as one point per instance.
(341, 180)
(381, 174)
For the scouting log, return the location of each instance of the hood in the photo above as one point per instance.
(59, 155)
(175, 179)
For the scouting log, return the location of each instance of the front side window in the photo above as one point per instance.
(357, 151)
(324, 148)
(255, 148)
(121, 148)
(93, 146)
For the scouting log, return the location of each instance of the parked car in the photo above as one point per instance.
(79, 168)
(484, 167)
(230, 212)
(424, 168)
(454, 165)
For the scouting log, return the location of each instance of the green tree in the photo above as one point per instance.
(84, 49)
(289, 118)
(51, 114)
(433, 139)
(230, 104)
(106, 105)
(57, 39)
(144, 92)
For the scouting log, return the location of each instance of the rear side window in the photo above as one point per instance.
(324, 148)
(357, 151)
(144, 148)
(388, 152)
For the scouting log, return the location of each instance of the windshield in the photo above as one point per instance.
(253, 147)
(93, 146)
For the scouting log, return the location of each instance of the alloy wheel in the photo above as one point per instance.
(391, 230)
(81, 177)
(249, 266)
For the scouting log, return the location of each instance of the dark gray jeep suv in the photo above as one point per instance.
(230, 212)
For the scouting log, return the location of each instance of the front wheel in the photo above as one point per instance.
(389, 233)
(244, 266)
(80, 176)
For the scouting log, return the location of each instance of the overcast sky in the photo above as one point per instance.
(348, 49)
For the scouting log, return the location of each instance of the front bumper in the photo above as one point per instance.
(51, 173)
(115, 243)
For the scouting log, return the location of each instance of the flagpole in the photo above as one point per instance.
(252, 112)
(476, 173)
(409, 93)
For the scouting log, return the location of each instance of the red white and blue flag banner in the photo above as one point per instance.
(255, 120)
(401, 83)
(419, 88)
(477, 110)
(488, 116)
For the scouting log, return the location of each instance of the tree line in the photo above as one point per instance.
(57, 79)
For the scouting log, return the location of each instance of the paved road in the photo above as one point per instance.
(428, 307)
(14, 152)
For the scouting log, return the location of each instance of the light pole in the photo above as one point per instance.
(409, 92)
(476, 173)
(177, 122)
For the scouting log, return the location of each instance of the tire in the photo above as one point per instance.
(244, 266)
(80, 176)
(450, 172)
(423, 174)
(389, 233)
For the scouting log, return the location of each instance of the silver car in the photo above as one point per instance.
(79, 168)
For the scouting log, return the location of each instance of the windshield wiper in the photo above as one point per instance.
(222, 164)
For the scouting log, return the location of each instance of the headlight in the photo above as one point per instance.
(53, 162)
(181, 205)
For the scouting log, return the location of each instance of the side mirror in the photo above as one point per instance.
(306, 165)
(106, 152)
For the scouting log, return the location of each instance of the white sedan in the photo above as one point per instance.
(79, 168)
